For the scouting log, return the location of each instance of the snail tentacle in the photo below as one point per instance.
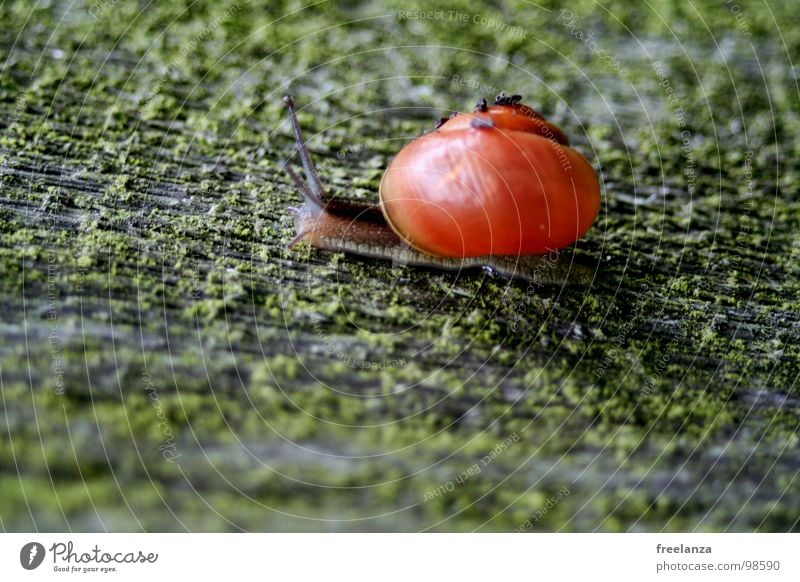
(316, 205)
(315, 187)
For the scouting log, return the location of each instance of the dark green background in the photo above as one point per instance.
(144, 222)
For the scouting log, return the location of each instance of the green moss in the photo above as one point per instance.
(143, 166)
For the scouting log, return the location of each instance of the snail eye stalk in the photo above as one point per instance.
(313, 189)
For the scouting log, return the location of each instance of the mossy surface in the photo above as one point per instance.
(167, 363)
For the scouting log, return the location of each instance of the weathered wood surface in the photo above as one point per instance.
(167, 364)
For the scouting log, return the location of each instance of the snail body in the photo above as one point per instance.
(497, 188)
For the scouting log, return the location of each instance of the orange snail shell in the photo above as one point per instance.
(499, 181)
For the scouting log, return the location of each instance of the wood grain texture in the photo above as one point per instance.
(166, 363)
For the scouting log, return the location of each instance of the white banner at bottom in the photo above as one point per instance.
(400, 557)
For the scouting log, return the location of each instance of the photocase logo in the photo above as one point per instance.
(31, 555)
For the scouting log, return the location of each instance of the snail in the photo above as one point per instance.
(498, 188)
